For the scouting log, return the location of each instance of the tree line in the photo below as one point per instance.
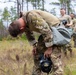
(8, 15)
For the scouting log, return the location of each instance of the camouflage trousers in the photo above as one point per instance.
(55, 57)
(66, 48)
(74, 39)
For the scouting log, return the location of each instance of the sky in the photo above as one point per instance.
(9, 4)
(3, 4)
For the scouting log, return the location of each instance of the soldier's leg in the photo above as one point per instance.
(65, 50)
(70, 49)
(57, 62)
(74, 39)
(40, 49)
(36, 68)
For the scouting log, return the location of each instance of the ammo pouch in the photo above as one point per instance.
(61, 35)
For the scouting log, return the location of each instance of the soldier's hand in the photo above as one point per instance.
(48, 52)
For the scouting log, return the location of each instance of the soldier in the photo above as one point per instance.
(68, 25)
(41, 22)
(74, 28)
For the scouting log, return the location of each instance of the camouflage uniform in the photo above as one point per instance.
(41, 22)
(55, 57)
(68, 46)
(74, 28)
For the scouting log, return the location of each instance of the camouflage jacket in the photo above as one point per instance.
(41, 22)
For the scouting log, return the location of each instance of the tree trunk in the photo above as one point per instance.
(27, 4)
(68, 7)
(17, 9)
(22, 4)
(43, 5)
(35, 4)
(38, 4)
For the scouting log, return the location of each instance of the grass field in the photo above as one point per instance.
(16, 59)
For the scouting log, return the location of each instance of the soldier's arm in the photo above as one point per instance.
(39, 23)
(30, 37)
(70, 20)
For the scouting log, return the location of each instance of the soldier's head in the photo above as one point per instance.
(62, 11)
(72, 15)
(17, 27)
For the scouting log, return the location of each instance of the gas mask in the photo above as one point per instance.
(64, 22)
(45, 64)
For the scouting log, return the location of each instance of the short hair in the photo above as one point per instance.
(72, 13)
(62, 9)
(14, 29)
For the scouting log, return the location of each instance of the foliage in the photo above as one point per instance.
(6, 17)
(1, 24)
(23, 37)
(37, 4)
(53, 11)
(5, 14)
(64, 4)
(13, 14)
(2, 28)
(10, 50)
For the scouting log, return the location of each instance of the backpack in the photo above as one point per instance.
(61, 35)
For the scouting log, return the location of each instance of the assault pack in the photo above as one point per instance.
(61, 34)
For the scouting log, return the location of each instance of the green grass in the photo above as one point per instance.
(15, 54)
(74, 72)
